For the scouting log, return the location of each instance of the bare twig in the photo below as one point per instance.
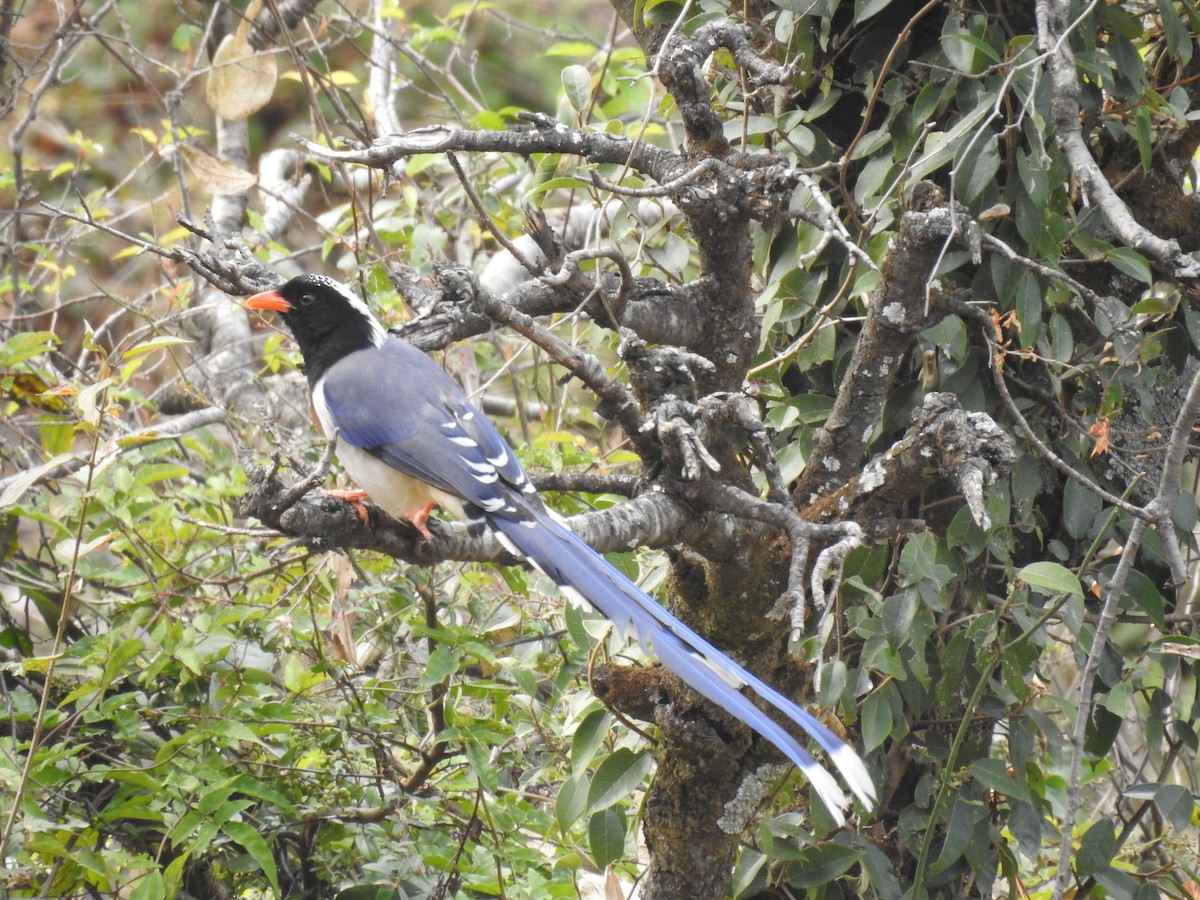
(690, 177)
(533, 266)
(1083, 712)
(994, 243)
(547, 137)
(1054, 26)
(981, 319)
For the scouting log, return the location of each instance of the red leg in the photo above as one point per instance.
(417, 519)
(355, 498)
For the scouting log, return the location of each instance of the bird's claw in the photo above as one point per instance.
(355, 498)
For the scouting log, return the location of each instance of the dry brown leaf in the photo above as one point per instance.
(612, 885)
(342, 611)
(341, 637)
(241, 81)
(215, 174)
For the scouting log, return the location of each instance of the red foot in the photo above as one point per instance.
(417, 519)
(355, 498)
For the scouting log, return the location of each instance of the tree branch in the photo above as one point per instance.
(906, 302)
(652, 519)
(1054, 29)
(546, 136)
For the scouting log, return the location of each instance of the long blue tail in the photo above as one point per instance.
(578, 569)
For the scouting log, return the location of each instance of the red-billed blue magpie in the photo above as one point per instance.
(410, 438)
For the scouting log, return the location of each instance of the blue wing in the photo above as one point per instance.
(429, 430)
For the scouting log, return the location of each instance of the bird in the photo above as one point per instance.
(411, 440)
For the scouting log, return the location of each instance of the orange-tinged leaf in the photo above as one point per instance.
(1100, 431)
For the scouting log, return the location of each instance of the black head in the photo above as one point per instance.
(325, 317)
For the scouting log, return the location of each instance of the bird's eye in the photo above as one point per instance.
(307, 299)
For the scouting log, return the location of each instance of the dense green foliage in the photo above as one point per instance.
(206, 707)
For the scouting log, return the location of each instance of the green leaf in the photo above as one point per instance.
(26, 345)
(573, 616)
(606, 837)
(960, 828)
(971, 55)
(1143, 132)
(588, 739)
(976, 171)
(577, 86)
(480, 757)
(562, 183)
(750, 865)
(571, 802)
(443, 662)
(1131, 263)
(1146, 595)
(620, 773)
(119, 656)
(546, 168)
(865, 9)
(821, 864)
(1050, 578)
(919, 561)
(1179, 41)
(21, 483)
(879, 868)
(993, 774)
(1176, 804)
(582, 49)
(253, 843)
(661, 12)
(876, 719)
(1096, 848)
(157, 343)
(673, 256)
(1028, 302)
(1025, 823)
(1080, 509)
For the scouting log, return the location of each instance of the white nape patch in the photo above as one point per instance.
(378, 332)
(463, 441)
(851, 766)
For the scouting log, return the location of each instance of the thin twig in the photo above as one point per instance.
(981, 319)
(689, 177)
(1083, 712)
(531, 265)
